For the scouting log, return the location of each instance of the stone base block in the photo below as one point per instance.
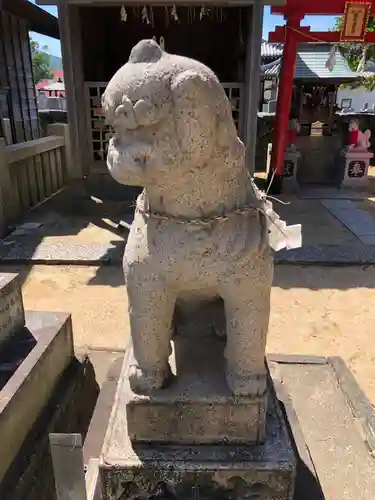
(220, 472)
(12, 315)
(292, 160)
(355, 165)
(29, 388)
(198, 406)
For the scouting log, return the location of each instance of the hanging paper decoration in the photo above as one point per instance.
(162, 43)
(174, 15)
(203, 12)
(145, 17)
(123, 14)
(331, 61)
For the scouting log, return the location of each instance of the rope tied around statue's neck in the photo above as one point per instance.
(280, 235)
(203, 221)
(261, 197)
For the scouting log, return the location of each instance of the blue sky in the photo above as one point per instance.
(317, 23)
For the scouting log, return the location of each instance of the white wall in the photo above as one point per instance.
(358, 98)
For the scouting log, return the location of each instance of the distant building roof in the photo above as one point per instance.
(311, 65)
(57, 74)
(269, 50)
(271, 69)
(55, 86)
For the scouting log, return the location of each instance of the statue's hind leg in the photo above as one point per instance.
(151, 307)
(246, 297)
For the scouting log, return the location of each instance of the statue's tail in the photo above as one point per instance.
(367, 135)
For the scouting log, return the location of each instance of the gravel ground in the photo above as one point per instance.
(322, 311)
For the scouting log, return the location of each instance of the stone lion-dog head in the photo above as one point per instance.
(170, 115)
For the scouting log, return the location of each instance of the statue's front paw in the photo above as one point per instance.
(144, 381)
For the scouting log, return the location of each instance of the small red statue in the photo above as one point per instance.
(357, 139)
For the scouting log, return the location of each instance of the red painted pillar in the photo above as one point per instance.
(284, 101)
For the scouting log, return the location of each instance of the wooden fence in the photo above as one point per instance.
(30, 172)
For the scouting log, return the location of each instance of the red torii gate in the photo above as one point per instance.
(355, 23)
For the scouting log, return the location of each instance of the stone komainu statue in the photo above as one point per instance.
(199, 236)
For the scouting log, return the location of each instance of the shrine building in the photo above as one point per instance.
(356, 15)
(98, 35)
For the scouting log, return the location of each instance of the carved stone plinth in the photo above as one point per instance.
(292, 159)
(198, 406)
(291, 163)
(355, 165)
(225, 471)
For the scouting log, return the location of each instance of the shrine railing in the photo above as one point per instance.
(30, 172)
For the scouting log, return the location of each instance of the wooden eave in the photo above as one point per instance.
(39, 20)
(108, 3)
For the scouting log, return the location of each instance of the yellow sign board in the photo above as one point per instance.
(355, 21)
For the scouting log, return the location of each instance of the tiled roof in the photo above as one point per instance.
(271, 49)
(58, 74)
(272, 69)
(311, 64)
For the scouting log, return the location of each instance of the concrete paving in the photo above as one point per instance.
(60, 238)
(318, 193)
(344, 464)
(360, 222)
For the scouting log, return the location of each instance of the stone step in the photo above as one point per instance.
(198, 406)
(12, 315)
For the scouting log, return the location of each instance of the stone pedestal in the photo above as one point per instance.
(292, 159)
(291, 163)
(198, 406)
(355, 167)
(195, 439)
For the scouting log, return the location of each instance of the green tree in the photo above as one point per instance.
(41, 62)
(355, 52)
